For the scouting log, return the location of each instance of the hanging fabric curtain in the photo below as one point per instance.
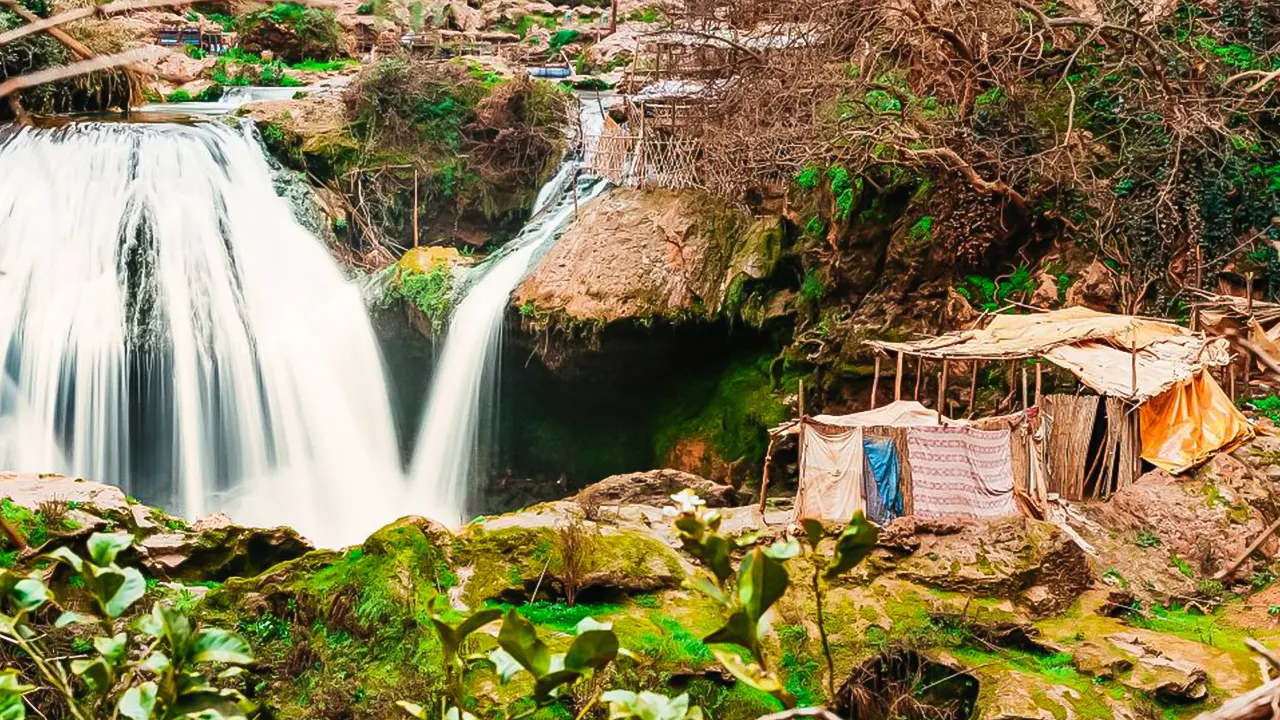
(830, 473)
(880, 480)
(961, 472)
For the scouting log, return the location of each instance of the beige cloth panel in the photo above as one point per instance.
(830, 473)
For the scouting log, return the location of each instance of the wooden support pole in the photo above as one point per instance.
(1248, 358)
(875, 381)
(919, 374)
(613, 17)
(942, 390)
(1195, 309)
(1039, 376)
(1025, 406)
(973, 389)
(897, 379)
(764, 481)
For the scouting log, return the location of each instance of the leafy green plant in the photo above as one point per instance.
(429, 291)
(179, 96)
(760, 580)
(520, 649)
(1147, 539)
(157, 669)
(626, 705)
(561, 38)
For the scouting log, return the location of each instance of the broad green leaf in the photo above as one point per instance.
(853, 546)
(70, 617)
(590, 623)
(95, 673)
(746, 540)
(218, 645)
(716, 555)
(708, 588)
(453, 713)
(591, 650)
(11, 706)
(29, 594)
(11, 682)
(64, 555)
(813, 531)
(503, 664)
(477, 620)
(150, 625)
(752, 674)
(762, 581)
(782, 551)
(139, 702)
(176, 630)
(413, 709)
(129, 591)
(739, 630)
(519, 638)
(11, 691)
(625, 697)
(104, 547)
(546, 685)
(157, 662)
(111, 649)
(448, 637)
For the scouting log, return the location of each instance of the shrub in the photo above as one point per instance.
(179, 96)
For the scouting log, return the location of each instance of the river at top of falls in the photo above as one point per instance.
(170, 328)
(452, 439)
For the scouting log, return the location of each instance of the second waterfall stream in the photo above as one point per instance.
(464, 389)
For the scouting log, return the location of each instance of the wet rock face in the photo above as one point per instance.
(637, 255)
(1028, 561)
(1146, 663)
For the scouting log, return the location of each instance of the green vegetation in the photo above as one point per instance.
(990, 295)
(428, 291)
(1268, 407)
(650, 14)
(561, 38)
(1147, 539)
(731, 417)
(315, 32)
(157, 666)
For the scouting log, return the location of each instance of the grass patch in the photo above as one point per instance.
(559, 616)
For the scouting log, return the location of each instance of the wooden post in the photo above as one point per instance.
(942, 390)
(1024, 388)
(764, 482)
(1195, 309)
(897, 379)
(973, 388)
(1039, 374)
(919, 374)
(640, 150)
(415, 207)
(875, 381)
(1248, 358)
(613, 17)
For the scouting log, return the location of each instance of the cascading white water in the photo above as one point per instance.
(463, 389)
(232, 99)
(170, 328)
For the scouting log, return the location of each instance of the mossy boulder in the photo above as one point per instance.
(507, 559)
(1031, 562)
(292, 32)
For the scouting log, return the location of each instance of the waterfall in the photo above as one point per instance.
(169, 327)
(463, 395)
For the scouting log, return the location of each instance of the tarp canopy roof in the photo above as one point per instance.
(903, 413)
(1099, 348)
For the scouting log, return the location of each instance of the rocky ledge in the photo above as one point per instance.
(1027, 619)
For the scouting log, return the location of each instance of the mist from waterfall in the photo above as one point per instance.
(454, 438)
(171, 329)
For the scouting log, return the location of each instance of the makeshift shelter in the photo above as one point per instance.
(905, 459)
(1130, 361)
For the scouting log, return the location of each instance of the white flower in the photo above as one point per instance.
(687, 501)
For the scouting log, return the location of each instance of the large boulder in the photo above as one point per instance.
(216, 549)
(639, 255)
(654, 488)
(1144, 663)
(1031, 562)
(1162, 535)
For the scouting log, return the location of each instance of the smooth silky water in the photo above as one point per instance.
(455, 438)
(171, 329)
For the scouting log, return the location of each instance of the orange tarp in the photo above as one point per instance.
(1189, 423)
